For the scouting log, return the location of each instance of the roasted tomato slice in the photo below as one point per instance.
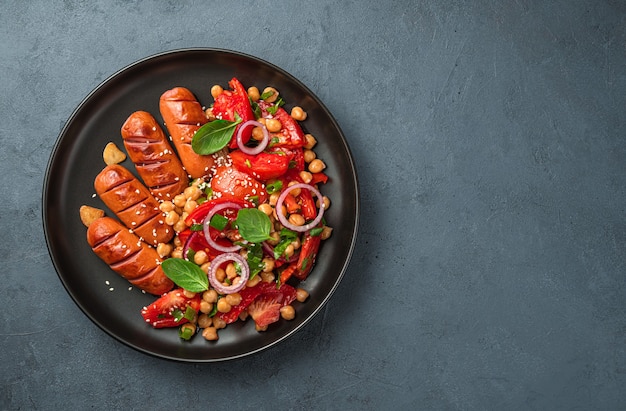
(231, 102)
(263, 166)
(169, 309)
(290, 135)
(308, 253)
(250, 294)
(231, 183)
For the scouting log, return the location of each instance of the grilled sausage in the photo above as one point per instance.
(183, 116)
(133, 204)
(148, 148)
(127, 255)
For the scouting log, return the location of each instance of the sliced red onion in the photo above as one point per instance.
(305, 227)
(207, 223)
(243, 276)
(262, 144)
(187, 243)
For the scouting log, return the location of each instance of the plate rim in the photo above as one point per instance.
(63, 133)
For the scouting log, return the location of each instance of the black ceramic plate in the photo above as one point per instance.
(77, 158)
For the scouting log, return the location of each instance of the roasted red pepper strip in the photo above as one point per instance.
(249, 294)
(159, 314)
(318, 178)
(234, 101)
(198, 215)
(308, 253)
(263, 166)
(290, 135)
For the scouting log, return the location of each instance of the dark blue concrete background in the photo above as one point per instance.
(490, 143)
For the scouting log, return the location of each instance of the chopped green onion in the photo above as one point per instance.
(196, 227)
(219, 222)
(274, 187)
(316, 231)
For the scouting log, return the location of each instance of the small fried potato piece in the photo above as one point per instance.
(90, 214)
(112, 154)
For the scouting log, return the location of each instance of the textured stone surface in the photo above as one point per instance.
(490, 144)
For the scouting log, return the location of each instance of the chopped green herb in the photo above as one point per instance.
(274, 187)
(316, 231)
(219, 222)
(248, 163)
(286, 238)
(267, 95)
(177, 314)
(190, 313)
(196, 227)
(255, 259)
(186, 331)
(273, 109)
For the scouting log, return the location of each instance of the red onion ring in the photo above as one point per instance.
(186, 245)
(283, 219)
(228, 289)
(262, 144)
(207, 223)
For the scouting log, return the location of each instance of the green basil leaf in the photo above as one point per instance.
(253, 224)
(273, 109)
(267, 94)
(286, 238)
(213, 136)
(255, 259)
(185, 274)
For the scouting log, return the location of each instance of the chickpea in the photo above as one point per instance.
(209, 114)
(171, 217)
(267, 277)
(326, 232)
(297, 113)
(275, 238)
(301, 294)
(206, 308)
(274, 198)
(309, 155)
(273, 94)
(200, 257)
(180, 226)
(231, 271)
(233, 299)
(188, 294)
(205, 267)
(210, 334)
(296, 219)
(296, 191)
(180, 200)
(220, 275)
(287, 312)
(316, 166)
(289, 250)
(253, 93)
(296, 243)
(218, 323)
(192, 192)
(268, 264)
(273, 125)
(190, 205)
(188, 326)
(266, 209)
(210, 296)
(164, 249)
(326, 202)
(166, 206)
(178, 242)
(257, 133)
(177, 253)
(216, 90)
(204, 320)
(223, 306)
(305, 176)
(282, 210)
(310, 141)
(253, 281)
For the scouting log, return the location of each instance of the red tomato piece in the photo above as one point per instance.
(234, 101)
(290, 135)
(160, 314)
(319, 178)
(308, 253)
(231, 183)
(250, 294)
(263, 166)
